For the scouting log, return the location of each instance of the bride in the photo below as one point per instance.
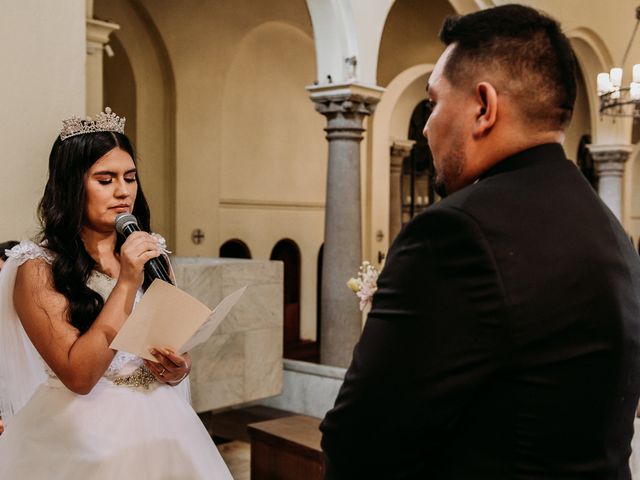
(73, 408)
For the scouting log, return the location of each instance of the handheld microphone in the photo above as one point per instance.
(126, 224)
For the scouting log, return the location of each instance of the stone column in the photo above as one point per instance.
(345, 106)
(609, 161)
(97, 37)
(400, 149)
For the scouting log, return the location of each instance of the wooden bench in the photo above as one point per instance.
(286, 449)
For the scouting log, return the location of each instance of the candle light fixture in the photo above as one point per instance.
(616, 100)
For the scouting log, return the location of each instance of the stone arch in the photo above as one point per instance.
(594, 57)
(155, 101)
(344, 30)
(272, 62)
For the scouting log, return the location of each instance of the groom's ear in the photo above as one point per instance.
(486, 98)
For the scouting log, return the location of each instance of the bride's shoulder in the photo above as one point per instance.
(29, 250)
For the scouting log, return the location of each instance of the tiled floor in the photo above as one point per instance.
(237, 456)
(232, 425)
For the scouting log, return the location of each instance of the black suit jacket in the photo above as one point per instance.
(503, 341)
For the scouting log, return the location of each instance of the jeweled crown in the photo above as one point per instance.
(106, 121)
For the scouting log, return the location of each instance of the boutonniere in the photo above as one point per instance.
(365, 285)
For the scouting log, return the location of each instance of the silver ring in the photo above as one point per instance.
(162, 372)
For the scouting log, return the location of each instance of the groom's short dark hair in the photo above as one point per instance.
(529, 51)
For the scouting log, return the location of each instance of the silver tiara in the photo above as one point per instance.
(106, 121)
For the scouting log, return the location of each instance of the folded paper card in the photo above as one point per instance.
(167, 317)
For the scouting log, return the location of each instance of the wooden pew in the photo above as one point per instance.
(286, 449)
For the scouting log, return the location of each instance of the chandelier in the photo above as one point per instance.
(616, 100)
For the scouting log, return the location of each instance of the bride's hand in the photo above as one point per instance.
(170, 368)
(138, 249)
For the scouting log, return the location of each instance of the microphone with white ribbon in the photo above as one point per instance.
(126, 224)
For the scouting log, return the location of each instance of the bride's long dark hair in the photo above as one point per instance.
(61, 212)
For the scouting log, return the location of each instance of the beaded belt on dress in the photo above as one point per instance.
(141, 377)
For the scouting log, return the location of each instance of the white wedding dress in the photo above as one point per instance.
(127, 427)
(634, 460)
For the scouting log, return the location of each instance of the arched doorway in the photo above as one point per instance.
(585, 162)
(319, 296)
(417, 191)
(235, 248)
(288, 253)
(294, 347)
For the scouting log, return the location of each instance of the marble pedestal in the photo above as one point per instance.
(242, 361)
(309, 389)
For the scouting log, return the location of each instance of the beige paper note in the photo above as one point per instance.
(167, 317)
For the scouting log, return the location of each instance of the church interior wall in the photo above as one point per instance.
(42, 81)
(228, 139)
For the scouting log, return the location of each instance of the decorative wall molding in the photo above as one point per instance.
(270, 205)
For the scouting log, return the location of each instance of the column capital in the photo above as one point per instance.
(399, 150)
(609, 160)
(345, 105)
(345, 98)
(98, 34)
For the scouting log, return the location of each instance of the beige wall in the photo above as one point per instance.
(202, 39)
(42, 82)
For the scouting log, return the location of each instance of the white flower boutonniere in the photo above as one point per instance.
(365, 285)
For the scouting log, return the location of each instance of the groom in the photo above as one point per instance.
(503, 341)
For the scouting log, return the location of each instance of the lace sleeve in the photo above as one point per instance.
(28, 250)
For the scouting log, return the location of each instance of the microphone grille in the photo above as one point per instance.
(124, 219)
